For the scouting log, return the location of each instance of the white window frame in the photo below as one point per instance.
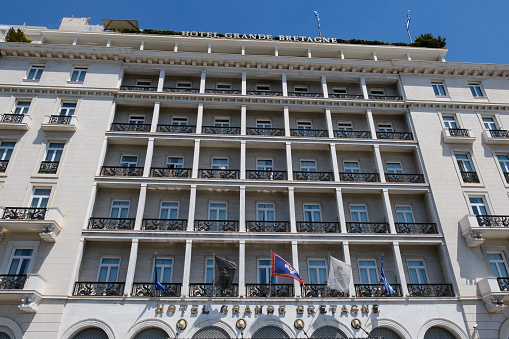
(163, 267)
(316, 269)
(38, 70)
(305, 124)
(218, 210)
(502, 261)
(384, 127)
(503, 163)
(494, 123)
(12, 246)
(183, 84)
(54, 153)
(474, 206)
(143, 83)
(436, 85)
(265, 167)
(179, 121)
(267, 269)
(393, 171)
(262, 87)
(4, 149)
(109, 266)
(448, 123)
(222, 85)
(128, 163)
(22, 106)
(169, 209)
(265, 210)
(351, 169)
(375, 267)
(40, 197)
(312, 211)
(67, 111)
(301, 89)
(345, 126)
(81, 73)
(264, 123)
(405, 213)
(227, 166)
(175, 165)
(462, 168)
(476, 89)
(357, 212)
(339, 90)
(377, 91)
(307, 168)
(209, 266)
(225, 122)
(120, 208)
(416, 268)
(136, 119)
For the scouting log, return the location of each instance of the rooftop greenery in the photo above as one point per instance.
(16, 36)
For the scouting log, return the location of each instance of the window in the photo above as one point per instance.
(129, 161)
(108, 270)
(180, 121)
(394, 168)
(175, 162)
(385, 128)
(358, 213)
(312, 213)
(217, 211)
(20, 261)
(184, 84)
(265, 212)
(339, 90)
(35, 72)
(498, 264)
(464, 163)
(368, 271)
(377, 91)
(136, 120)
(78, 74)
(450, 122)
(439, 88)
(304, 125)
(300, 89)
(417, 272)
(264, 164)
(404, 214)
(209, 270)
(345, 126)
(67, 108)
(119, 209)
(308, 166)
(143, 82)
(351, 166)
(224, 85)
(317, 271)
(503, 160)
(263, 123)
(21, 107)
(164, 268)
(489, 123)
(476, 89)
(478, 205)
(40, 198)
(220, 163)
(54, 151)
(221, 122)
(169, 210)
(264, 272)
(262, 87)
(6, 149)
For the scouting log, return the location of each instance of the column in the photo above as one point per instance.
(379, 163)
(243, 50)
(160, 83)
(410, 124)
(324, 87)
(286, 117)
(364, 88)
(309, 52)
(209, 49)
(202, 81)
(400, 267)
(289, 165)
(243, 119)
(242, 209)
(291, 203)
(142, 45)
(432, 209)
(112, 114)
(199, 118)
(374, 56)
(420, 163)
(348, 260)
(388, 210)
(155, 117)
(341, 54)
(295, 264)
(445, 260)
(285, 84)
(335, 166)
(341, 210)
(120, 78)
(108, 44)
(187, 268)
(196, 159)
(102, 157)
(176, 47)
(133, 257)
(148, 158)
(75, 42)
(276, 51)
(192, 208)
(371, 123)
(242, 268)
(76, 270)
(91, 203)
(244, 83)
(141, 207)
(328, 119)
(243, 159)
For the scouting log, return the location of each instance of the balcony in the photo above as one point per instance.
(111, 223)
(318, 227)
(170, 172)
(346, 96)
(164, 224)
(404, 178)
(46, 221)
(430, 290)
(118, 171)
(216, 225)
(12, 282)
(321, 291)
(367, 227)
(180, 90)
(312, 176)
(3, 165)
(496, 137)
(395, 135)
(494, 291)
(176, 129)
(266, 132)
(116, 127)
(209, 290)
(223, 91)
(138, 88)
(266, 175)
(48, 167)
(59, 123)
(99, 289)
(470, 177)
(218, 174)
(353, 134)
(17, 122)
(458, 136)
(268, 226)
(376, 291)
(149, 290)
(359, 177)
(309, 133)
(269, 290)
(221, 130)
(386, 97)
(305, 95)
(265, 93)
(416, 228)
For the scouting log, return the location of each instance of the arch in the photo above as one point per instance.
(12, 326)
(149, 323)
(272, 322)
(390, 324)
(384, 332)
(88, 323)
(211, 332)
(327, 332)
(91, 333)
(209, 322)
(455, 330)
(331, 322)
(270, 331)
(504, 330)
(152, 333)
(437, 332)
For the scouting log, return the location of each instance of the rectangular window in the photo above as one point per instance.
(478, 205)
(264, 272)
(263, 123)
(265, 212)
(358, 213)
(312, 213)
(184, 84)
(40, 198)
(175, 162)
(54, 151)
(339, 90)
(301, 89)
(304, 125)
(108, 270)
(417, 272)
(476, 89)
(35, 72)
(143, 82)
(224, 85)
(394, 168)
(498, 264)
(78, 74)
(404, 214)
(368, 271)
(317, 269)
(221, 122)
(385, 128)
(119, 209)
(169, 210)
(345, 126)
(220, 163)
(21, 107)
(351, 166)
(464, 163)
(308, 166)
(209, 270)
(67, 108)
(377, 91)
(136, 120)
(262, 87)
(489, 123)
(439, 88)
(179, 121)
(129, 161)
(264, 164)
(164, 267)
(450, 122)
(503, 160)
(218, 211)
(20, 261)
(6, 149)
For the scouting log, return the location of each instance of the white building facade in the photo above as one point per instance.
(125, 153)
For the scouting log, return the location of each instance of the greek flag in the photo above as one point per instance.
(158, 286)
(407, 21)
(387, 288)
(317, 18)
(280, 268)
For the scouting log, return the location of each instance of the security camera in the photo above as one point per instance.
(475, 326)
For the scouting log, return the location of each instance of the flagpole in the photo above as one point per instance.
(155, 274)
(214, 276)
(318, 22)
(407, 26)
(270, 277)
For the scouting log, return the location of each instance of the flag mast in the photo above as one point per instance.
(407, 26)
(318, 22)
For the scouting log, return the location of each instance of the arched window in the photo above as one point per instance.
(152, 333)
(211, 332)
(270, 332)
(91, 333)
(328, 332)
(438, 333)
(4, 335)
(384, 333)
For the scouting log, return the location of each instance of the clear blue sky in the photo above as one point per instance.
(476, 30)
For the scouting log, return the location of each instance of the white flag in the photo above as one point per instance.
(339, 275)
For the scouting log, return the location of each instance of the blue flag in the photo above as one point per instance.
(317, 18)
(158, 286)
(387, 288)
(407, 21)
(280, 268)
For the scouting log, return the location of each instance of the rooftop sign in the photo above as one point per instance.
(239, 36)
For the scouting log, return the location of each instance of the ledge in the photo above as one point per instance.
(458, 139)
(490, 140)
(56, 123)
(15, 126)
(48, 228)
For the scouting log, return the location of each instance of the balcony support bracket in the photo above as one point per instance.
(494, 304)
(49, 233)
(474, 238)
(29, 303)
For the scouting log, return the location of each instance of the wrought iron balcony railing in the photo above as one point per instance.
(458, 132)
(220, 130)
(312, 176)
(181, 90)
(405, 178)
(138, 88)
(268, 226)
(430, 290)
(367, 227)
(170, 172)
(209, 290)
(321, 291)
(499, 133)
(48, 167)
(395, 135)
(164, 224)
(470, 177)
(97, 289)
(266, 175)
(176, 129)
(3, 165)
(59, 119)
(111, 223)
(385, 97)
(346, 96)
(223, 91)
(265, 93)
(12, 282)
(416, 228)
(309, 133)
(149, 290)
(493, 220)
(305, 95)
(12, 118)
(503, 284)
(353, 134)
(269, 290)
(318, 227)
(117, 127)
(117, 171)
(359, 177)
(266, 132)
(218, 174)
(24, 213)
(376, 290)
(216, 225)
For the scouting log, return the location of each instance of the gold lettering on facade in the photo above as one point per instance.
(323, 309)
(258, 309)
(376, 309)
(172, 309)
(194, 309)
(333, 309)
(365, 309)
(344, 309)
(270, 309)
(300, 309)
(184, 308)
(311, 309)
(282, 310)
(224, 309)
(236, 309)
(204, 310)
(354, 309)
(247, 310)
(159, 309)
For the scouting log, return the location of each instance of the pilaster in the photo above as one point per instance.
(133, 257)
(141, 207)
(192, 208)
(242, 268)
(187, 268)
(295, 264)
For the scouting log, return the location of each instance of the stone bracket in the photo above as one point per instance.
(49, 233)
(29, 303)
(474, 238)
(494, 304)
